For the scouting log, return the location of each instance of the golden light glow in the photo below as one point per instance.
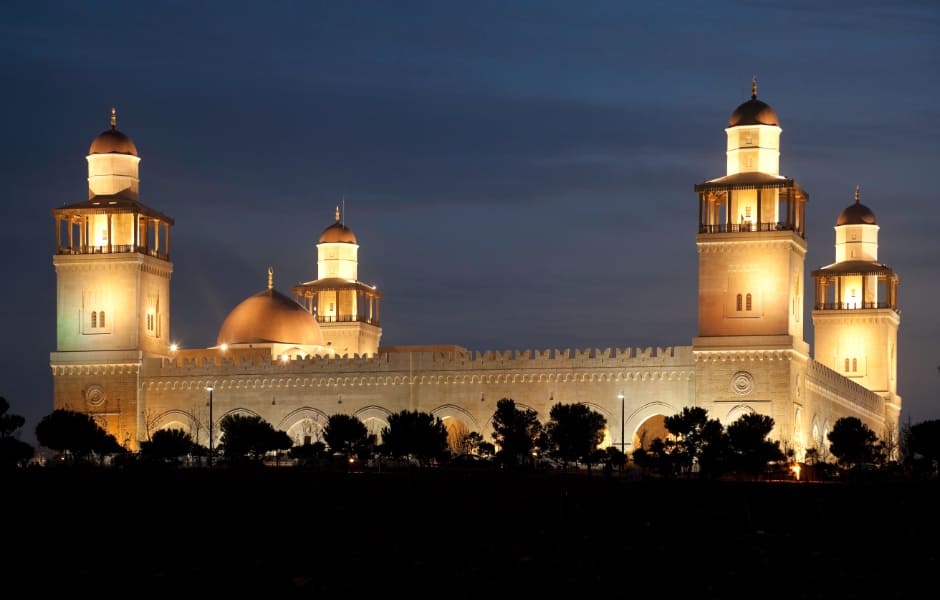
(174, 347)
(223, 347)
(795, 468)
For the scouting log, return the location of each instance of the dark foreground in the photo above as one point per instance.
(289, 533)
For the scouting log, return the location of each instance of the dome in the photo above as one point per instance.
(856, 214)
(270, 317)
(112, 141)
(337, 232)
(753, 112)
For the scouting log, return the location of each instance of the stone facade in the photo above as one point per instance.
(749, 355)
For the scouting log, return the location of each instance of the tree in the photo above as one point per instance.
(749, 449)
(516, 431)
(574, 432)
(697, 440)
(415, 433)
(250, 436)
(853, 443)
(75, 434)
(923, 445)
(13, 451)
(167, 445)
(347, 435)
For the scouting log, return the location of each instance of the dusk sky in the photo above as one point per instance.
(519, 174)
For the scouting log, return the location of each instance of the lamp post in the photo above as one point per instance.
(209, 389)
(622, 447)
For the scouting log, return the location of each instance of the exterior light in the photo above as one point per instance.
(209, 389)
(174, 347)
(223, 347)
(622, 430)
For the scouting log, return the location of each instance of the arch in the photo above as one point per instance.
(737, 411)
(635, 420)
(375, 418)
(304, 424)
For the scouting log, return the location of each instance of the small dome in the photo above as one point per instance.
(337, 232)
(753, 112)
(112, 141)
(856, 214)
(270, 317)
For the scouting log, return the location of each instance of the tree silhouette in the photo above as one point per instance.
(167, 445)
(924, 446)
(13, 451)
(749, 449)
(415, 433)
(853, 443)
(348, 435)
(75, 434)
(697, 439)
(516, 431)
(574, 432)
(245, 436)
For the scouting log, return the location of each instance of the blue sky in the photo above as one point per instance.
(519, 174)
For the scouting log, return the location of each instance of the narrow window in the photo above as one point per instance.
(846, 365)
(94, 319)
(748, 303)
(101, 319)
(855, 365)
(738, 303)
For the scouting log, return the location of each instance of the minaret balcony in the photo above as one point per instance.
(113, 249)
(346, 319)
(854, 306)
(744, 227)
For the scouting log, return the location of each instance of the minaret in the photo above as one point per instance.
(113, 271)
(856, 315)
(751, 246)
(346, 308)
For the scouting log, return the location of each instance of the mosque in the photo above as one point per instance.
(296, 359)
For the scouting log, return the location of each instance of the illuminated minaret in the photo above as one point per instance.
(855, 315)
(346, 308)
(113, 269)
(751, 249)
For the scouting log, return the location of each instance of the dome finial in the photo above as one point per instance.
(857, 194)
(754, 87)
(337, 213)
(113, 118)
(270, 278)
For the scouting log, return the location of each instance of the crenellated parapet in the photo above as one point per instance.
(843, 391)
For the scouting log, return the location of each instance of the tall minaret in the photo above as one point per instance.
(751, 249)
(346, 308)
(856, 316)
(113, 269)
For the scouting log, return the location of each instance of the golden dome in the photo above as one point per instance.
(112, 141)
(270, 317)
(753, 112)
(337, 233)
(856, 213)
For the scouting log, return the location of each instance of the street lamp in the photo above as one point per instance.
(622, 447)
(209, 388)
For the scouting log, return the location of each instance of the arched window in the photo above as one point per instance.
(101, 319)
(748, 303)
(94, 319)
(855, 365)
(738, 302)
(846, 365)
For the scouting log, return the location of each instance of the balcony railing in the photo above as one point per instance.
(346, 319)
(744, 227)
(115, 249)
(852, 305)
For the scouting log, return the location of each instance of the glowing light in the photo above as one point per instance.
(284, 358)
(174, 347)
(795, 468)
(224, 347)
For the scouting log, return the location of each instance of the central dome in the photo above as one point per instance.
(270, 317)
(856, 214)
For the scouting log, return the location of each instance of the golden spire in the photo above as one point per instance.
(270, 278)
(754, 87)
(856, 194)
(337, 213)
(113, 117)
